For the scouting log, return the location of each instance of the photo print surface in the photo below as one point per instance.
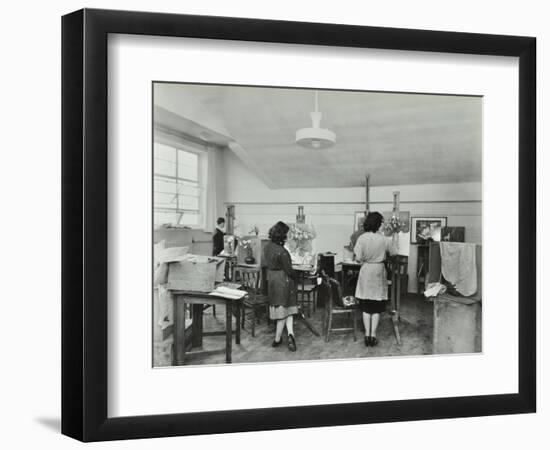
(255, 190)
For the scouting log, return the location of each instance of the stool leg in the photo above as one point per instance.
(253, 321)
(354, 318)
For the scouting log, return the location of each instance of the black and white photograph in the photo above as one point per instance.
(255, 189)
(272, 225)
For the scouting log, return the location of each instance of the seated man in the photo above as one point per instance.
(217, 239)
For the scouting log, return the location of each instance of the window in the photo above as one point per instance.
(176, 186)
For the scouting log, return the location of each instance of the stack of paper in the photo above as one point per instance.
(226, 292)
(227, 284)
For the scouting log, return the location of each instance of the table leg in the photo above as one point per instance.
(228, 332)
(238, 312)
(175, 346)
(179, 331)
(197, 325)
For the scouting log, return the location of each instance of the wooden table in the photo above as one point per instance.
(198, 300)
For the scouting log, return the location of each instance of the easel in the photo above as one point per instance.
(396, 266)
(301, 218)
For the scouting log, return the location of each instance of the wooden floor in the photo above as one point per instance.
(416, 329)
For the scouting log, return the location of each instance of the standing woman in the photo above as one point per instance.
(280, 284)
(372, 285)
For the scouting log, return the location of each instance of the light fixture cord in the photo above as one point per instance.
(316, 101)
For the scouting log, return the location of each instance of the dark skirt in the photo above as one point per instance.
(372, 306)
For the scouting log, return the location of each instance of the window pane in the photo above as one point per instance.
(189, 219)
(165, 152)
(163, 167)
(188, 188)
(176, 200)
(165, 185)
(164, 160)
(187, 202)
(188, 165)
(165, 200)
(162, 217)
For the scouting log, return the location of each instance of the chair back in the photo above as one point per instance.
(250, 279)
(334, 291)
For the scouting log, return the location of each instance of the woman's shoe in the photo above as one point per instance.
(367, 341)
(291, 343)
(276, 344)
(373, 341)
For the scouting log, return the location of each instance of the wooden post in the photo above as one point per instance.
(230, 219)
(367, 194)
(301, 217)
(396, 201)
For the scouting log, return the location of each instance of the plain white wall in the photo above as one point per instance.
(30, 177)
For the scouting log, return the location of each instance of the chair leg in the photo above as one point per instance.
(329, 326)
(253, 321)
(354, 318)
(214, 310)
(314, 293)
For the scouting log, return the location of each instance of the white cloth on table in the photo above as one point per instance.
(434, 289)
(458, 266)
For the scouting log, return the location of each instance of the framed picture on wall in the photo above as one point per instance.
(426, 229)
(124, 168)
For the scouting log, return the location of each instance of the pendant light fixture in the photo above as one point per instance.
(315, 137)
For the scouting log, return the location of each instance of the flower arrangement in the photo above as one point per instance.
(246, 245)
(394, 225)
(300, 236)
(255, 230)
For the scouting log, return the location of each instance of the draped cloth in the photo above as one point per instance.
(166, 307)
(458, 266)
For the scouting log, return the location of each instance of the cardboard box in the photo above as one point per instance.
(195, 273)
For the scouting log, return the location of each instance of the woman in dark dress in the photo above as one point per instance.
(280, 284)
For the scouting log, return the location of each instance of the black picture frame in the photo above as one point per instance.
(414, 222)
(84, 224)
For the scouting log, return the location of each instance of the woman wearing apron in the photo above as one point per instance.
(280, 284)
(372, 285)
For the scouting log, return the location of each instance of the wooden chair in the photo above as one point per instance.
(255, 301)
(334, 308)
(307, 291)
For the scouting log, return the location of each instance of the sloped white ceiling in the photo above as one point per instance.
(396, 138)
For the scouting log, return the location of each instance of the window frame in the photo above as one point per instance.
(179, 144)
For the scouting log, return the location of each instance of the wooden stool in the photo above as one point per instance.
(333, 307)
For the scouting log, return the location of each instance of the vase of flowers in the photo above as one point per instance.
(246, 245)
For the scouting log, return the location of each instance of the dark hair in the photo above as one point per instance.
(220, 221)
(373, 222)
(278, 232)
